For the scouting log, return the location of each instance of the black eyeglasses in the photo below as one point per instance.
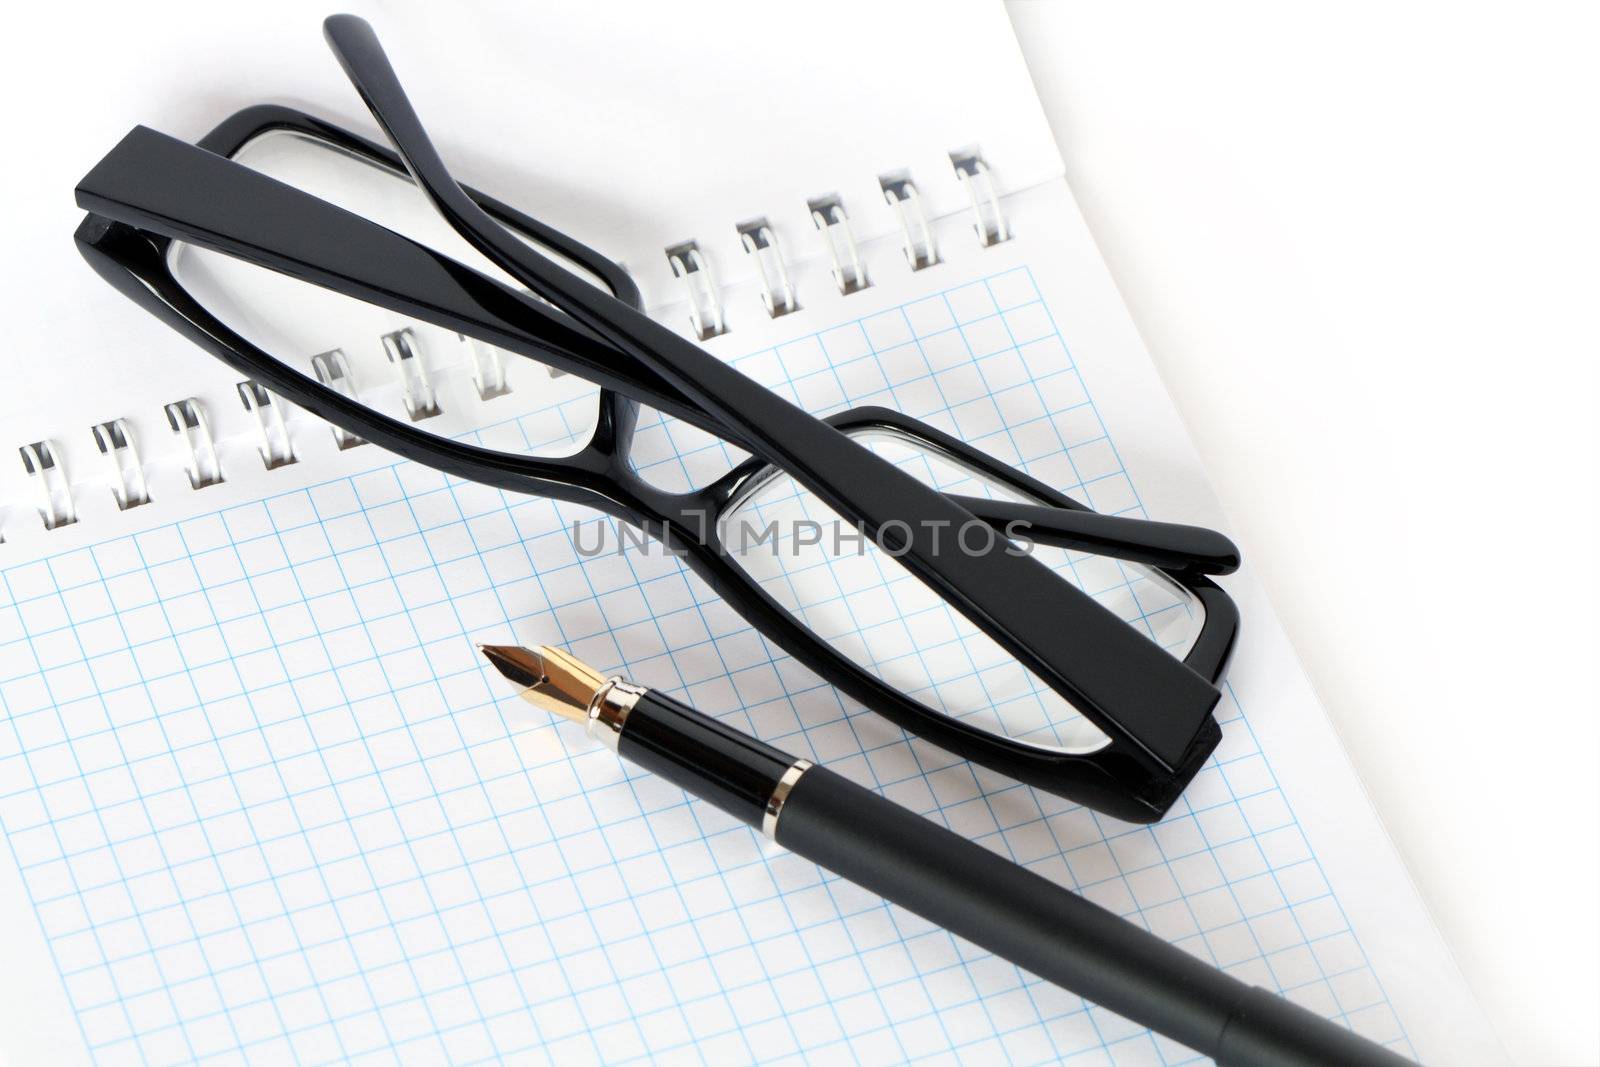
(241, 244)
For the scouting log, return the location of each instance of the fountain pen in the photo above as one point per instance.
(974, 893)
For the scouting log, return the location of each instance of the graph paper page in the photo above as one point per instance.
(264, 803)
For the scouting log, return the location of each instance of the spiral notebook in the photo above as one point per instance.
(261, 801)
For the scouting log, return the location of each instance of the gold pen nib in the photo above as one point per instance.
(549, 678)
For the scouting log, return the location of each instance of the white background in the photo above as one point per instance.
(1361, 241)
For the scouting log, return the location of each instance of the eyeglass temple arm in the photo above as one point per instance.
(1127, 686)
(1169, 545)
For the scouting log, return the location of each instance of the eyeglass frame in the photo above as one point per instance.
(1109, 778)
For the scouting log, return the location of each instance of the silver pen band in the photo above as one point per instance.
(608, 710)
(780, 793)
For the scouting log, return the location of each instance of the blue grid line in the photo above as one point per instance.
(343, 809)
(312, 792)
(273, 572)
(121, 880)
(633, 570)
(1345, 1012)
(935, 775)
(144, 806)
(866, 749)
(960, 963)
(230, 891)
(422, 763)
(284, 785)
(487, 780)
(608, 850)
(61, 847)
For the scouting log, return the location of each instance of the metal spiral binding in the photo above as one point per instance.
(55, 491)
(189, 426)
(900, 192)
(488, 368)
(115, 442)
(777, 291)
(401, 348)
(987, 221)
(828, 215)
(705, 307)
(273, 443)
(846, 265)
(333, 370)
(187, 419)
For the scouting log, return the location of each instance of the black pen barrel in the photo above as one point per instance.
(1054, 933)
(976, 894)
(702, 755)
